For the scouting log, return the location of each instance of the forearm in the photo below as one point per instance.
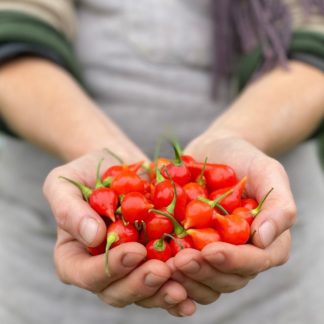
(277, 111)
(44, 105)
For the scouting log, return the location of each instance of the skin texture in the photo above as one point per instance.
(47, 112)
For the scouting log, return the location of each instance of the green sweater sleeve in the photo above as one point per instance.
(22, 34)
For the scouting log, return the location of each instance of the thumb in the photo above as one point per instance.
(71, 212)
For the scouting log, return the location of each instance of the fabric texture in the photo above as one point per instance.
(59, 13)
(148, 65)
(18, 27)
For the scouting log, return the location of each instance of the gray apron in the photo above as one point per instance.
(147, 64)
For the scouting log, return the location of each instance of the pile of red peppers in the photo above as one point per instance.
(178, 204)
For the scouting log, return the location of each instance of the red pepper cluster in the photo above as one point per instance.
(182, 203)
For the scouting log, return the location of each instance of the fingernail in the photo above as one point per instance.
(132, 259)
(191, 267)
(153, 280)
(88, 229)
(267, 232)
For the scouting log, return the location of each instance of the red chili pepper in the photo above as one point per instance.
(232, 228)
(250, 214)
(199, 212)
(135, 207)
(177, 169)
(233, 200)
(194, 190)
(158, 164)
(163, 194)
(127, 181)
(178, 230)
(203, 236)
(158, 249)
(103, 200)
(157, 225)
(179, 243)
(97, 250)
(115, 170)
(249, 203)
(187, 158)
(219, 176)
(119, 233)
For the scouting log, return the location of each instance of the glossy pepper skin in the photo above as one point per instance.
(249, 213)
(159, 250)
(135, 207)
(99, 249)
(198, 215)
(115, 170)
(179, 243)
(103, 200)
(177, 169)
(233, 200)
(219, 176)
(126, 182)
(202, 237)
(157, 225)
(163, 194)
(232, 228)
(117, 234)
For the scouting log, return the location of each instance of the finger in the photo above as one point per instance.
(140, 284)
(279, 210)
(195, 290)
(198, 292)
(71, 212)
(185, 308)
(247, 260)
(170, 294)
(75, 266)
(192, 265)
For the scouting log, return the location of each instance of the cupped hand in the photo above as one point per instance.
(222, 267)
(131, 280)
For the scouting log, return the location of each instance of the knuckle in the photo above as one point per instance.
(290, 213)
(135, 293)
(284, 259)
(59, 269)
(278, 167)
(231, 287)
(208, 298)
(113, 300)
(265, 265)
(61, 215)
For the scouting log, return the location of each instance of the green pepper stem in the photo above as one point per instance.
(114, 155)
(159, 245)
(215, 203)
(178, 242)
(171, 207)
(200, 179)
(257, 210)
(86, 191)
(159, 176)
(99, 183)
(112, 237)
(178, 229)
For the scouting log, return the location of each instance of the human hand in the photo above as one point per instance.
(132, 280)
(221, 267)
